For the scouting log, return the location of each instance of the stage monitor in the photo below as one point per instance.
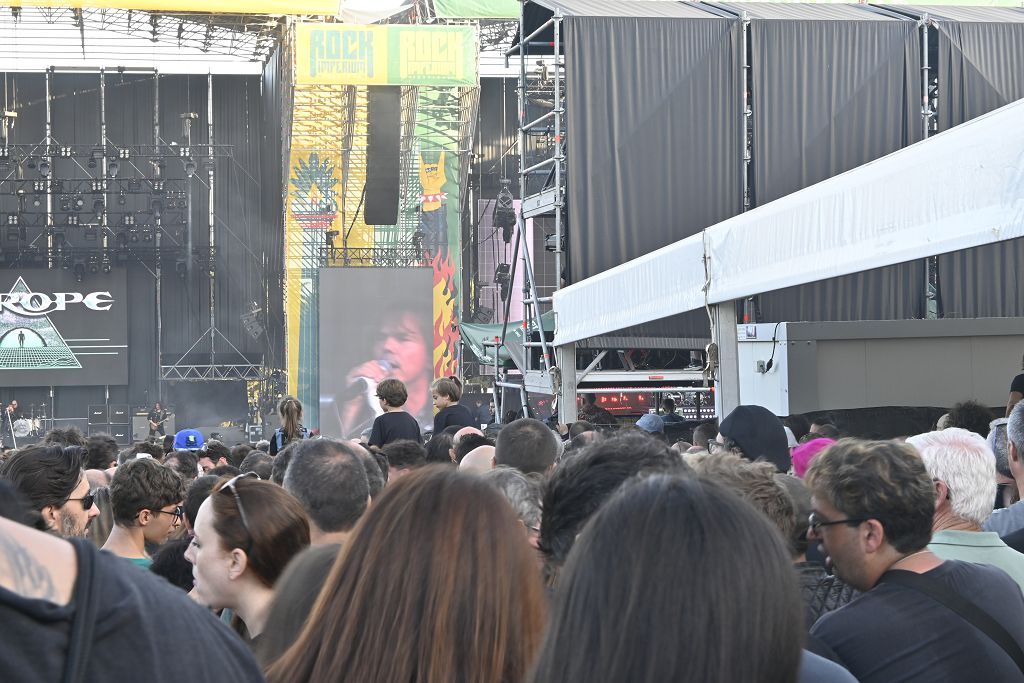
(55, 331)
(375, 323)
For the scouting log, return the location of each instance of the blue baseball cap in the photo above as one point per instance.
(652, 423)
(188, 439)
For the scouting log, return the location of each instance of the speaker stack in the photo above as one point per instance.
(114, 420)
(384, 104)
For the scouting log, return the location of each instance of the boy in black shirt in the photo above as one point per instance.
(395, 423)
(446, 393)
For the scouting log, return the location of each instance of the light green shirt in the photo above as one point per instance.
(143, 562)
(979, 547)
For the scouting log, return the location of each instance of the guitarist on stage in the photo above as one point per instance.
(156, 418)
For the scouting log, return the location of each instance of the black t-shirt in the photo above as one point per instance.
(156, 415)
(1017, 384)
(139, 616)
(893, 633)
(454, 415)
(394, 427)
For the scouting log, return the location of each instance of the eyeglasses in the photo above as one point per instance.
(178, 513)
(230, 486)
(86, 500)
(814, 523)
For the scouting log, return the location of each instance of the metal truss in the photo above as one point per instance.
(251, 36)
(401, 256)
(205, 373)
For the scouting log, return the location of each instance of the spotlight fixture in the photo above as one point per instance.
(122, 198)
(124, 154)
(128, 219)
(37, 200)
(72, 220)
(147, 235)
(121, 239)
(79, 201)
(158, 186)
(95, 157)
(133, 235)
(39, 186)
(79, 270)
(44, 168)
(190, 168)
(94, 264)
(30, 163)
(112, 169)
(65, 205)
(105, 264)
(181, 267)
(185, 151)
(66, 152)
(12, 219)
(98, 209)
(158, 208)
(97, 186)
(5, 153)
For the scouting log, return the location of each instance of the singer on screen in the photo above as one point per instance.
(402, 351)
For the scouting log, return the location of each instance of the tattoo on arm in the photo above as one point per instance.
(20, 571)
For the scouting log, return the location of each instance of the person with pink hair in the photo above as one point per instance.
(803, 454)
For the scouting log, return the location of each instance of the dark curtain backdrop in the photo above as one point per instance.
(829, 96)
(655, 142)
(247, 206)
(981, 68)
(654, 114)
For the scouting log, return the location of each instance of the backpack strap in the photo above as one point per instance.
(968, 611)
(84, 619)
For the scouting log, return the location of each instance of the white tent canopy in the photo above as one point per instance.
(959, 189)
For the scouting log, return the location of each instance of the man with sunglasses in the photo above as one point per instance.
(52, 479)
(145, 497)
(919, 617)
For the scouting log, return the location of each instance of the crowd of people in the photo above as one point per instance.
(758, 549)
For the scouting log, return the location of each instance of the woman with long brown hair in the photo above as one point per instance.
(246, 532)
(289, 410)
(436, 584)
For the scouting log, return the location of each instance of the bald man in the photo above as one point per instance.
(478, 461)
(458, 436)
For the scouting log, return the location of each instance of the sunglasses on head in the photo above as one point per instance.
(229, 487)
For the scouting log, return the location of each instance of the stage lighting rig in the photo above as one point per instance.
(65, 204)
(147, 234)
(157, 208)
(113, 168)
(37, 200)
(190, 167)
(502, 278)
(124, 154)
(128, 219)
(94, 264)
(98, 209)
(12, 219)
(72, 220)
(122, 198)
(79, 202)
(105, 263)
(505, 212)
(39, 186)
(44, 168)
(95, 157)
(97, 186)
(66, 152)
(79, 270)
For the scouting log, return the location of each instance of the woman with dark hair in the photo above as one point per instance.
(246, 531)
(410, 599)
(439, 448)
(675, 580)
(291, 429)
